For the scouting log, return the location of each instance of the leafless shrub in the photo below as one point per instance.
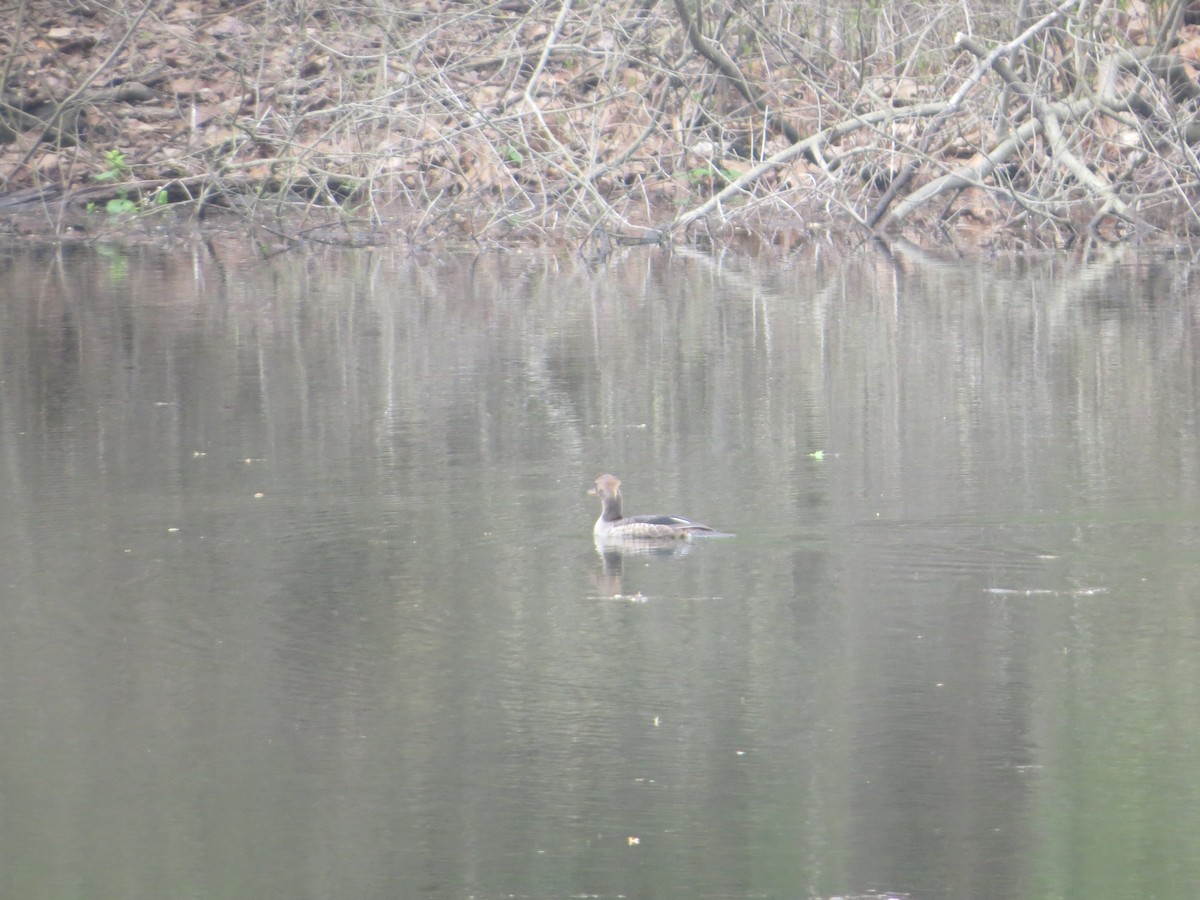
(641, 120)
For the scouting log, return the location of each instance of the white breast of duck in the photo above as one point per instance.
(613, 525)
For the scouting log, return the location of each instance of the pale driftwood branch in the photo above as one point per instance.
(1069, 161)
(955, 103)
(971, 175)
(810, 146)
(1049, 116)
(976, 173)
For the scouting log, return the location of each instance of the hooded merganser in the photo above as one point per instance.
(613, 526)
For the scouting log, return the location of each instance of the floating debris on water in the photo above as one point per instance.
(1047, 592)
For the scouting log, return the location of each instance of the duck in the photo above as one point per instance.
(612, 525)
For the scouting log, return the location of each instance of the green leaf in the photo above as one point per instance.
(120, 206)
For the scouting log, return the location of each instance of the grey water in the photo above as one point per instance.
(299, 596)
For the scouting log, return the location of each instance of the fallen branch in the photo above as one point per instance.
(1046, 119)
(971, 175)
(955, 103)
(809, 147)
(720, 60)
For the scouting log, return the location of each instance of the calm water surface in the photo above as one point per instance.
(299, 596)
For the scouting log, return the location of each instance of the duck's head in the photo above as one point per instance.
(606, 486)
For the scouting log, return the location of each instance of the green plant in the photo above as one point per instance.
(117, 170)
(119, 206)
